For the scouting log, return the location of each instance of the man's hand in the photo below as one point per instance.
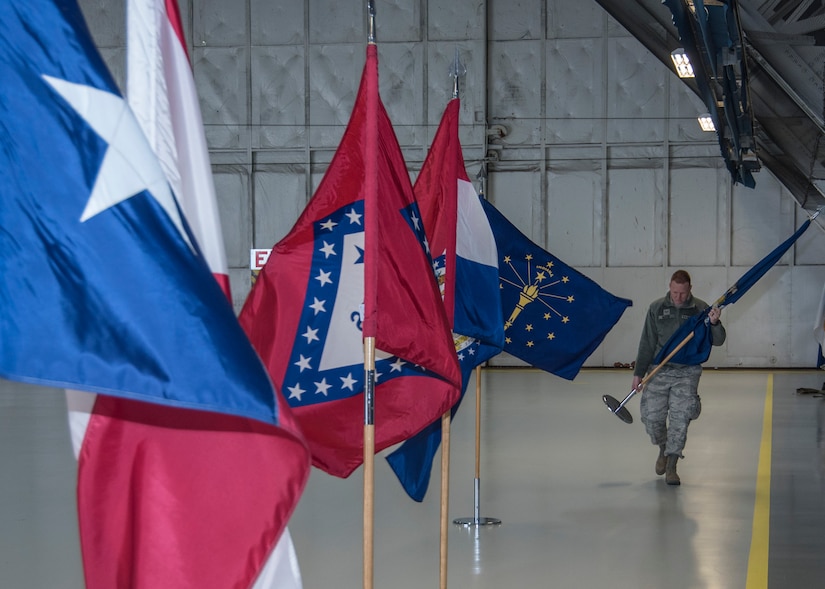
(636, 381)
(714, 315)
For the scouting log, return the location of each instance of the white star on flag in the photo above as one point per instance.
(328, 249)
(323, 277)
(303, 363)
(296, 392)
(318, 306)
(129, 166)
(322, 387)
(354, 217)
(311, 334)
(348, 382)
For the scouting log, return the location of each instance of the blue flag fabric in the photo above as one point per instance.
(555, 316)
(104, 289)
(749, 278)
(697, 350)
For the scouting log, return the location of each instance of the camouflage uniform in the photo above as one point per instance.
(670, 400)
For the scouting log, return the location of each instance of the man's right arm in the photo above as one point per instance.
(647, 348)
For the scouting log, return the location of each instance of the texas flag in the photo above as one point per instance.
(355, 265)
(466, 263)
(191, 465)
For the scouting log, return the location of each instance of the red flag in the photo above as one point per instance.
(180, 498)
(361, 234)
(437, 192)
(174, 497)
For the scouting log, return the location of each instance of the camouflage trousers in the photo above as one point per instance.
(670, 401)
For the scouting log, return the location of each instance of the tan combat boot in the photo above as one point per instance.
(661, 461)
(671, 478)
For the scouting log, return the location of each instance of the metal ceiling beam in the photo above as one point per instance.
(785, 132)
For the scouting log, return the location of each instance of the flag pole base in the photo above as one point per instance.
(476, 520)
(617, 408)
(481, 521)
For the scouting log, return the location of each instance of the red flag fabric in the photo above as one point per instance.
(437, 192)
(354, 265)
(183, 499)
(172, 497)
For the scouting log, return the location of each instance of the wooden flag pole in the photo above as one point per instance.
(477, 520)
(369, 459)
(445, 492)
(371, 178)
(456, 72)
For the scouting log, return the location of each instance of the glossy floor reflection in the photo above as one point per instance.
(572, 484)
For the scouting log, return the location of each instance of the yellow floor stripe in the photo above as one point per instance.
(760, 536)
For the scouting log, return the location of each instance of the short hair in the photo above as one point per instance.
(680, 277)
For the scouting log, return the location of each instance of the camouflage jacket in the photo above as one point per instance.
(662, 320)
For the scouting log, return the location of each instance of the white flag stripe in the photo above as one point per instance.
(281, 570)
(80, 406)
(161, 92)
(474, 238)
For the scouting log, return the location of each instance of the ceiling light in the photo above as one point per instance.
(682, 63)
(706, 122)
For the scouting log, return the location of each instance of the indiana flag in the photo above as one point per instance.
(355, 266)
(697, 349)
(105, 289)
(465, 261)
(555, 317)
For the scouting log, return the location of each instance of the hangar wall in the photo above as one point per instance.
(590, 143)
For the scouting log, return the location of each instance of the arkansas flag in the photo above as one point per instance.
(354, 266)
(466, 264)
(105, 289)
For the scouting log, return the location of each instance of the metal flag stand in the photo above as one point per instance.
(477, 520)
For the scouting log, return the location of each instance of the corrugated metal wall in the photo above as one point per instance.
(591, 144)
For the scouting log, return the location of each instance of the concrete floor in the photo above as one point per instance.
(572, 484)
